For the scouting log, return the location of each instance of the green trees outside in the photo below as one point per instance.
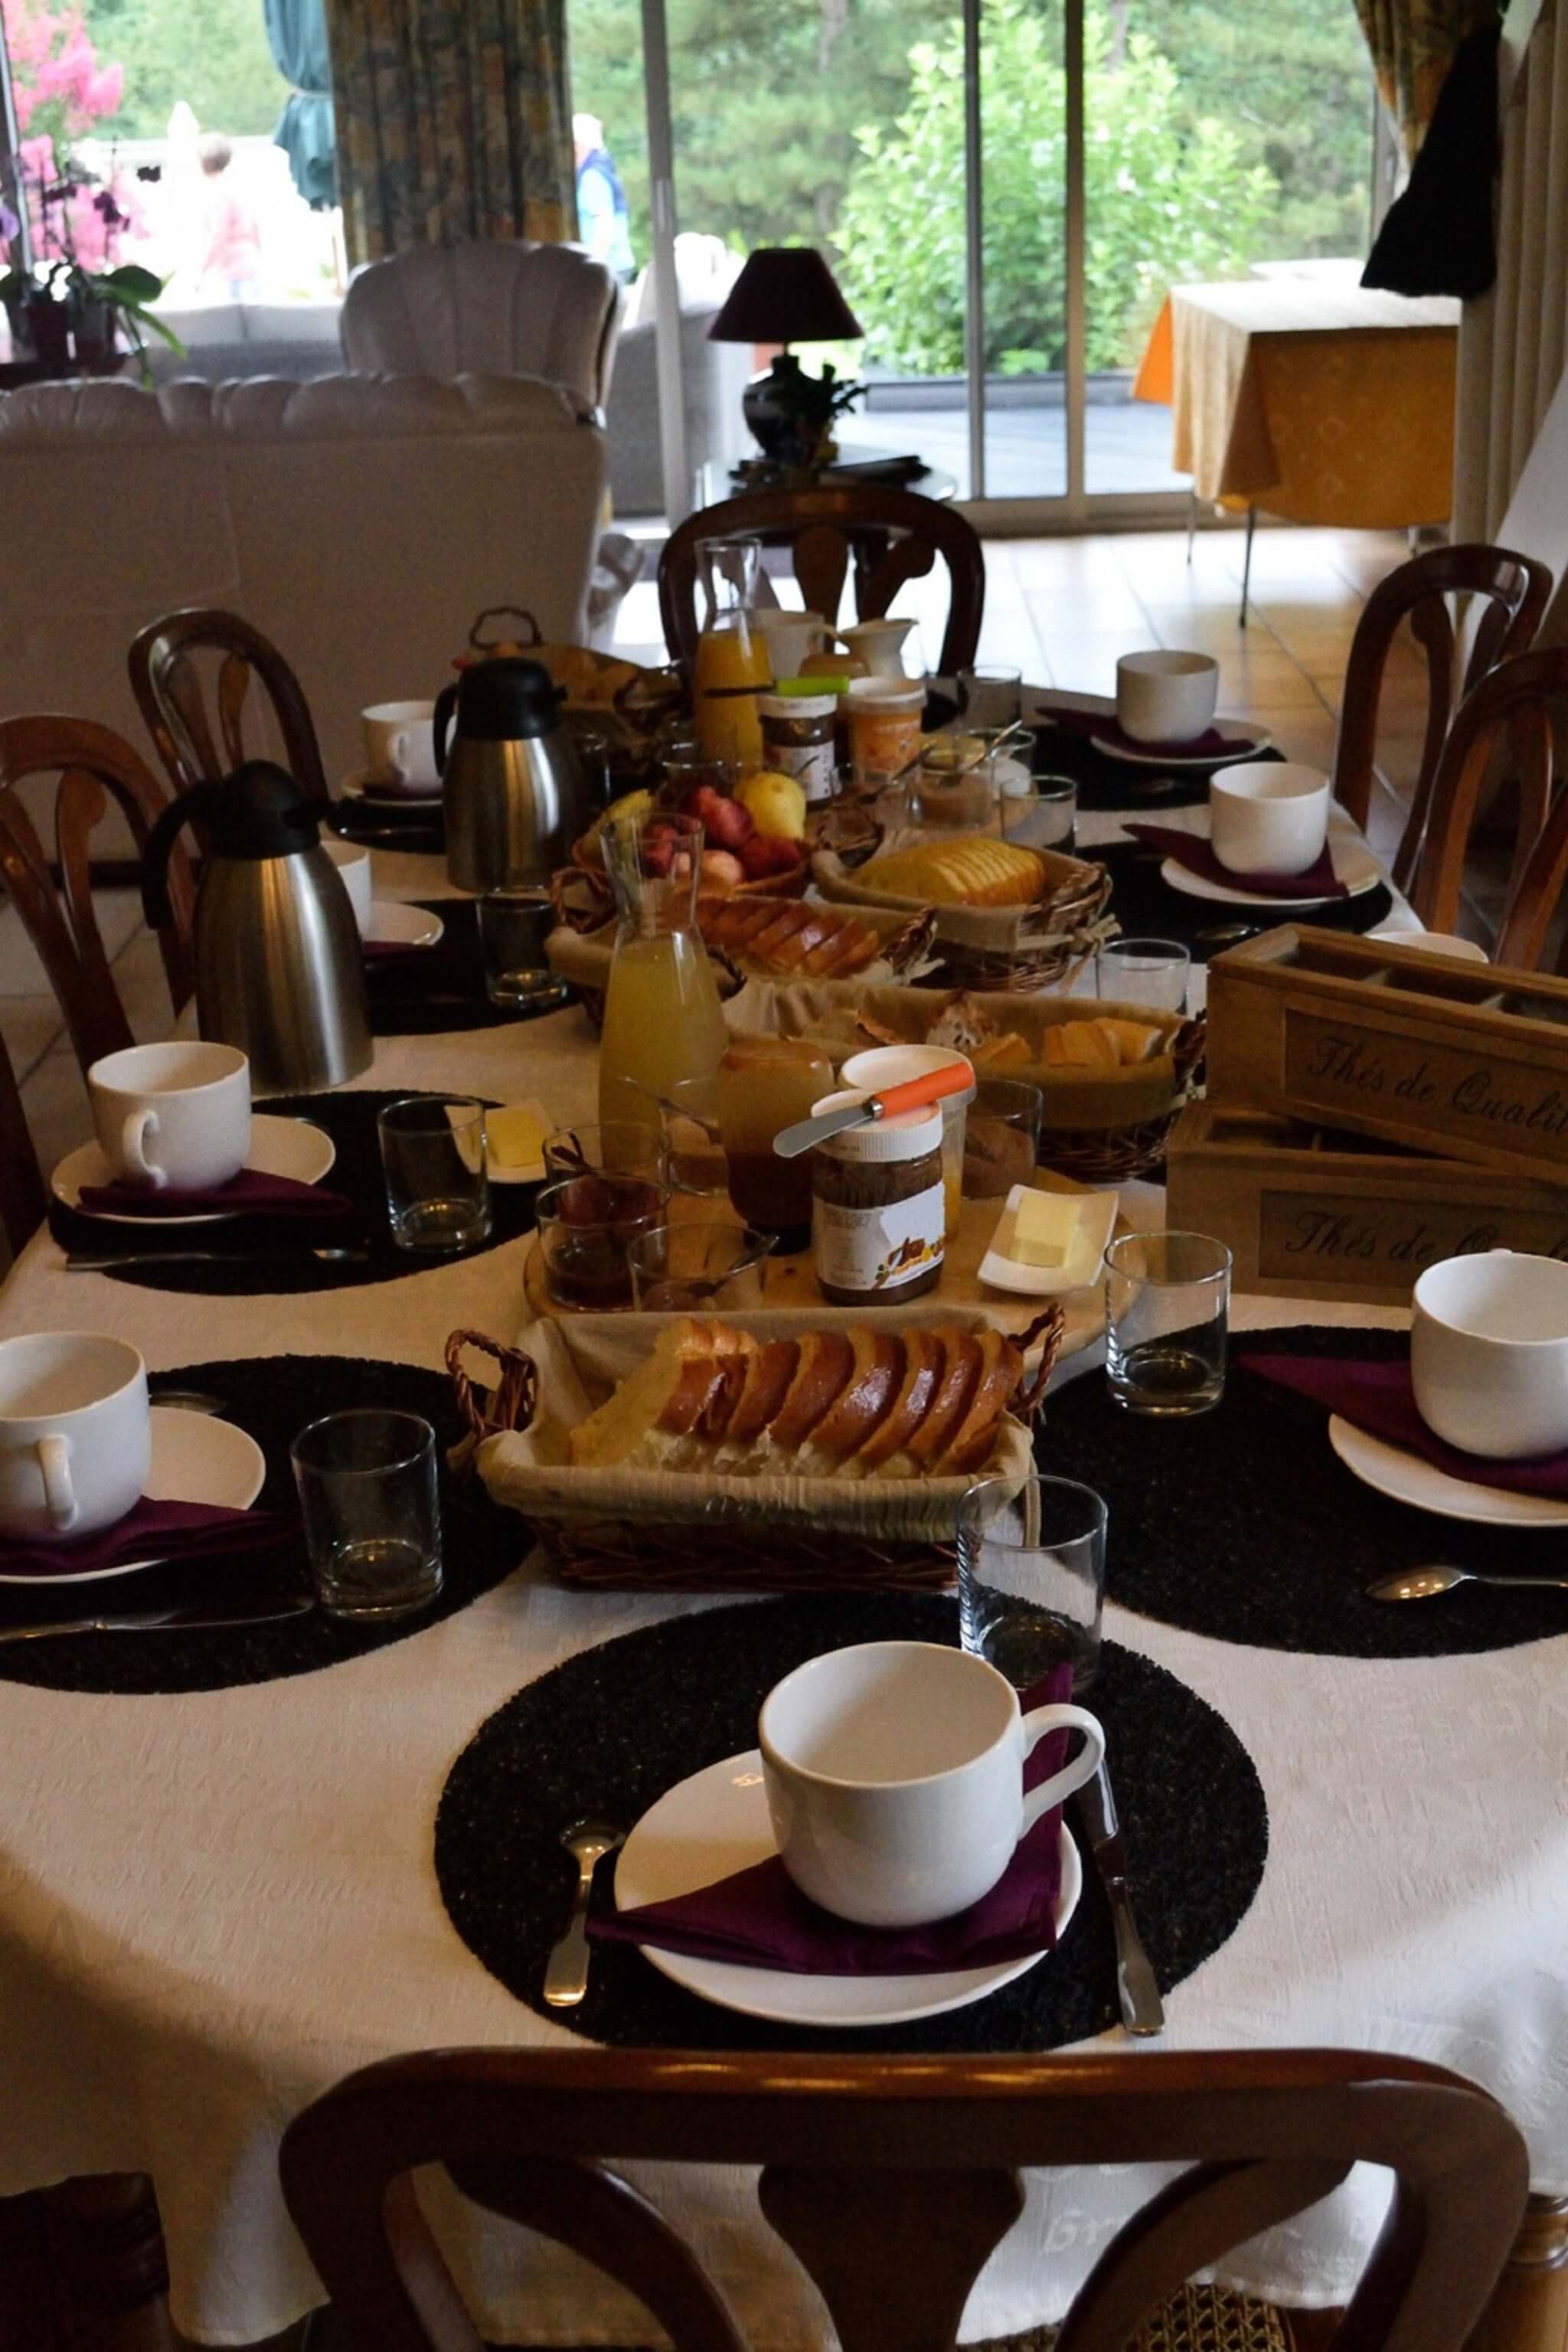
(211, 53)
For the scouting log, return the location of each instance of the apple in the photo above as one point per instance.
(764, 854)
(723, 869)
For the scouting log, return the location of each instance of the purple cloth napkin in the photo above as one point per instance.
(149, 1530)
(1212, 744)
(1378, 1398)
(1191, 850)
(385, 951)
(250, 1193)
(759, 1918)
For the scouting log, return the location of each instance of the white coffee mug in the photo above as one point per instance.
(353, 862)
(400, 744)
(175, 1115)
(1165, 697)
(894, 1773)
(75, 1439)
(1268, 816)
(1489, 1353)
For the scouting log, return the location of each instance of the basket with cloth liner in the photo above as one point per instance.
(825, 1493)
(1102, 1125)
(1006, 917)
(630, 705)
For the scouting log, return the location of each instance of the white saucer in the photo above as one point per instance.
(1097, 1222)
(1354, 865)
(278, 1147)
(1245, 748)
(196, 1459)
(392, 923)
(716, 1822)
(384, 792)
(1407, 1478)
(533, 1171)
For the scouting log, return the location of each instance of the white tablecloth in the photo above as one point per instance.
(212, 1906)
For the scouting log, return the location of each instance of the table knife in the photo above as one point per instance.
(912, 1094)
(1142, 2009)
(175, 1620)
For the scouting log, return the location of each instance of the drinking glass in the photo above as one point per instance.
(513, 926)
(690, 1109)
(587, 1226)
(611, 1147)
(940, 796)
(1001, 1137)
(1167, 1300)
(991, 694)
(1039, 813)
(433, 1153)
(372, 1516)
(691, 1269)
(1144, 972)
(1031, 1578)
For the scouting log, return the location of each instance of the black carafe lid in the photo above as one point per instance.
(260, 811)
(505, 699)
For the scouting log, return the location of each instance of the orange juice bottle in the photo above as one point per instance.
(730, 652)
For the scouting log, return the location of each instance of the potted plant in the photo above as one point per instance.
(67, 314)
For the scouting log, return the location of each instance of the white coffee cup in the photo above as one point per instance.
(1489, 1353)
(177, 1115)
(1166, 696)
(894, 1777)
(353, 862)
(400, 744)
(75, 1441)
(1268, 816)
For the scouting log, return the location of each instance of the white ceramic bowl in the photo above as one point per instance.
(1164, 697)
(1489, 1353)
(353, 862)
(1268, 816)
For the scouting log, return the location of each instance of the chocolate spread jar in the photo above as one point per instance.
(877, 1206)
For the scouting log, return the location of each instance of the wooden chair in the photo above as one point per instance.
(891, 536)
(1516, 589)
(1512, 703)
(892, 2179)
(23, 1201)
(167, 685)
(93, 766)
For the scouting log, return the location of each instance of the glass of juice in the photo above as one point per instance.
(766, 1084)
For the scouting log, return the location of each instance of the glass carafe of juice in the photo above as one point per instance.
(731, 652)
(766, 1084)
(662, 1018)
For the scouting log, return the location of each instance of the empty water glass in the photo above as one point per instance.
(372, 1513)
(694, 1269)
(433, 1153)
(1031, 1577)
(991, 694)
(1167, 1305)
(1037, 812)
(513, 928)
(1144, 972)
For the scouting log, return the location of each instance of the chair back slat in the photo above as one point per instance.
(894, 2179)
(23, 1201)
(167, 683)
(92, 767)
(890, 536)
(1513, 703)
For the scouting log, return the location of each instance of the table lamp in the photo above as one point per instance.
(787, 294)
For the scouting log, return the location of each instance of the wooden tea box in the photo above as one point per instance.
(1308, 1213)
(1460, 1060)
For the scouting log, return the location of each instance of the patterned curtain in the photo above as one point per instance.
(453, 121)
(1412, 44)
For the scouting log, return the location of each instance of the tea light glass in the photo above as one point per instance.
(587, 1226)
(991, 694)
(1031, 1578)
(1167, 1307)
(1144, 972)
(371, 1510)
(513, 928)
(1001, 1137)
(1038, 812)
(433, 1156)
(691, 1268)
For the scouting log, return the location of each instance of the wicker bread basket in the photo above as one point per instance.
(1018, 949)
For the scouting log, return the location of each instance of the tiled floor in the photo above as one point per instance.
(1061, 609)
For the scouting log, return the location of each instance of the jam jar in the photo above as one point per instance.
(797, 740)
(878, 1221)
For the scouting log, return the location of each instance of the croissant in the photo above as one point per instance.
(850, 1402)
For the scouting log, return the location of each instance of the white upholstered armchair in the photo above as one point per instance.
(486, 309)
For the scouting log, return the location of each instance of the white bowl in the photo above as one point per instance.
(1268, 816)
(1167, 697)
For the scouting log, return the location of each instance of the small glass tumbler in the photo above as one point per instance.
(1031, 1578)
(1167, 1305)
(1144, 972)
(513, 926)
(587, 1226)
(1001, 1137)
(689, 1112)
(372, 1512)
(692, 1269)
(433, 1153)
(610, 1147)
(1039, 813)
(991, 694)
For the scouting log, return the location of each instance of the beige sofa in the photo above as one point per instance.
(360, 521)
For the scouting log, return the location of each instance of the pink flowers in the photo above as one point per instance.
(62, 92)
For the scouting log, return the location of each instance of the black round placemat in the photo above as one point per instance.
(1243, 1523)
(419, 825)
(1147, 908)
(273, 1397)
(273, 1255)
(1104, 784)
(443, 987)
(611, 1729)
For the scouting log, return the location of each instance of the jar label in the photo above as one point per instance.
(810, 765)
(877, 1249)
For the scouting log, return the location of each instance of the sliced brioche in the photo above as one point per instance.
(826, 1360)
(863, 1404)
(923, 1359)
(974, 1441)
(949, 1401)
(669, 1392)
(768, 1376)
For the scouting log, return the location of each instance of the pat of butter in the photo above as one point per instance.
(516, 1137)
(1045, 1229)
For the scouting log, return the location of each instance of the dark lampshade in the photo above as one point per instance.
(785, 294)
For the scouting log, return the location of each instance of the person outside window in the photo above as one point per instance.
(234, 246)
(602, 218)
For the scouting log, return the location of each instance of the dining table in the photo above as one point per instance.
(233, 1869)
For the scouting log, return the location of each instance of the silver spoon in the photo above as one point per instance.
(108, 1261)
(1426, 1583)
(566, 1972)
